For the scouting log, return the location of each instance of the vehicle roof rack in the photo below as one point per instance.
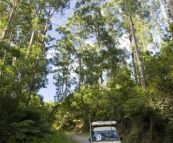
(103, 123)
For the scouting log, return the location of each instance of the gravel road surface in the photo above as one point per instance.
(79, 139)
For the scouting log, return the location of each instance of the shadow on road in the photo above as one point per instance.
(78, 138)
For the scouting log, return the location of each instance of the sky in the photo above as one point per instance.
(49, 92)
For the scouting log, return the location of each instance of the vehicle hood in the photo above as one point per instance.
(108, 142)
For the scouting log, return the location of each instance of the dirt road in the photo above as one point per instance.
(79, 139)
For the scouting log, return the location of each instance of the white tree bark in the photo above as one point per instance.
(142, 77)
(166, 17)
(159, 37)
(80, 66)
(170, 5)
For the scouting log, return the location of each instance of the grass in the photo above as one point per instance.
(58, 136)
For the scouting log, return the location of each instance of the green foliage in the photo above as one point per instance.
(25, 123)
(21, 128)
(142, 115)
(89, 58)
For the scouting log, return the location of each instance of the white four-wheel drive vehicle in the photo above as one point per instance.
(104, 132)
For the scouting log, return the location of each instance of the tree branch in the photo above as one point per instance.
(7, 2)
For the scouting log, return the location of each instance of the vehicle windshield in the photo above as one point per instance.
(105, 136)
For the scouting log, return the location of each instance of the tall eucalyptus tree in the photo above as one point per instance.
(9, 8)
(167, 14)
(62, 61)
(13, 6)
(101, 29)
(75, 25)
(28, 55)
(44, 11)
(164, 11)
(170, 5)
(155, 22)
(131, 9)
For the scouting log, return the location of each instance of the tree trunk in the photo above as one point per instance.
(142, 26)
(159, 37)
(166, 17)
(97, 30)
(31, 84)
(141, 71)
(79, 74)
(33, 35)
(170, 5)
(133, 61)
(32, 38)
(45, 30)
(66, 88)
(4, 33)
(28, 98)
(134, 68)
(31, 43)
(99, 46)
